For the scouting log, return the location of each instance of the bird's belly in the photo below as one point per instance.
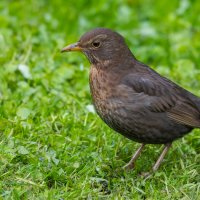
(139, 124)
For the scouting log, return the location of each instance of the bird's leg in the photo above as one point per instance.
(158, 162)
(162, 155)
(130, 164)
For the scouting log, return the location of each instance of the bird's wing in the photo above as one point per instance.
(162, 95)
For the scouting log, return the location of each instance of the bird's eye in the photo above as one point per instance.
(96, 44)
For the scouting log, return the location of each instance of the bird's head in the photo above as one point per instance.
(101, 45)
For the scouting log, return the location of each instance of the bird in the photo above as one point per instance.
(132, 98)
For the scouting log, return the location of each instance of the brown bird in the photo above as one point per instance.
(132, 98)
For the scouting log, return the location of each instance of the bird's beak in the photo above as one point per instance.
(72, 47)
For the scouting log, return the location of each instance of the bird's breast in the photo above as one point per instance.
(102, 86)
(111, 99)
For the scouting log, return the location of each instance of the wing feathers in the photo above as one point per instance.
(165, 96)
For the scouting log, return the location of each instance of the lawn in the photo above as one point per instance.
(53, 146)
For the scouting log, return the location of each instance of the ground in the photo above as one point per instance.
(53, 146)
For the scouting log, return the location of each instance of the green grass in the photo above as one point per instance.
(51, 145)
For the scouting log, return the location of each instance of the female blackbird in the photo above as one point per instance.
(132, 98)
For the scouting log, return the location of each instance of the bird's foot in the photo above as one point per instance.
(129, 166)
(146, 175)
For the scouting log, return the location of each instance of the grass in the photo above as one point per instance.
(51, 145)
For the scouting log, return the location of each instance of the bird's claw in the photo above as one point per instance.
(129, 166)
(146, 175)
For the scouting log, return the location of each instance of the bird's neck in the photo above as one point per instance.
(118, 58)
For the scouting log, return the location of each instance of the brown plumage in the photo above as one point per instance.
(133, 99)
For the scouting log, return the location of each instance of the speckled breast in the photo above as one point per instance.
(105, 99)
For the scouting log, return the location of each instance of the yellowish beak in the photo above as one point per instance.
(72, 47)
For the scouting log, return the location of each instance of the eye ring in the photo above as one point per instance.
(96, 44)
